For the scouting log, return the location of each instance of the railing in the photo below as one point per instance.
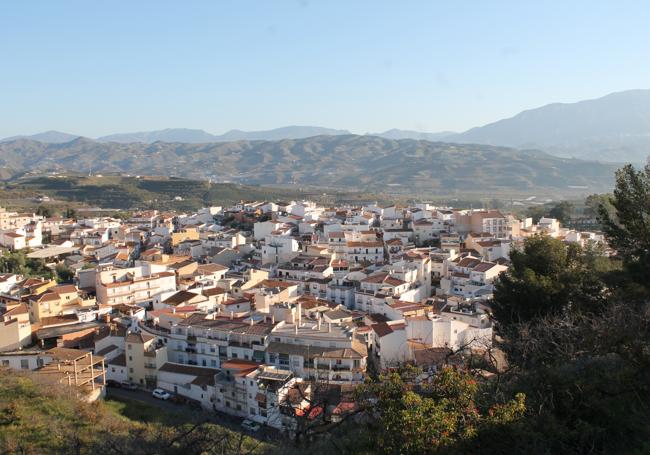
(156, 330)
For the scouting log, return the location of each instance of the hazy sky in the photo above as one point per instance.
(98, 67)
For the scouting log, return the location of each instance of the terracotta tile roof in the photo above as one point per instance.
(483, 267)
(139, 337)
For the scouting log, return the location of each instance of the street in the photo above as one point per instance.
(185, 412)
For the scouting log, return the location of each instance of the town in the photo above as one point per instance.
(271, 312)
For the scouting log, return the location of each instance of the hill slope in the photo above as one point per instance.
(121, 192)
(615, 127)
(353, 162)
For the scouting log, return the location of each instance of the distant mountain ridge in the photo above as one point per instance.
(49, 137)
(342, 161)
(191, 136)
(615, 127)
(417, 135)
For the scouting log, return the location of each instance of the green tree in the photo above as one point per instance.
(416, 418)
(562, 212)
(64, 273)
(44, 211)
(627, 222)
(593, 203)
(18, 262)
(70, 213)
(536, 212)
(547, 277)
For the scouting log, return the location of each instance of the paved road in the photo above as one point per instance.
(225, 420)
(143, 396)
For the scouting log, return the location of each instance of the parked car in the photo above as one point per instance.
(129, 385)
(250, 425)
(113, 383)
(161, 394)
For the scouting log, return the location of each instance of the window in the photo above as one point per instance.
(24, 364)
(129, 347)
(130, 370)
(130, 358)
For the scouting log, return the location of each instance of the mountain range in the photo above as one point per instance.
(613, 128)
(190, 136)
(368, 163)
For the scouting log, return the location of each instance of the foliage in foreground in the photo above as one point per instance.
(45, 420)
(411, 417)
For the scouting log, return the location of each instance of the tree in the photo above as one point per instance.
(627, 226)
(536, 212)
(414, 417)
(44, 211)
(70, 213)
(593, 203)
(562, 212)
(546, 277)
(64, 273)
(17, 262)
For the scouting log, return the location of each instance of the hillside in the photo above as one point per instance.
(120, 192)
(352, 162)
(615, 127)
(51, 420)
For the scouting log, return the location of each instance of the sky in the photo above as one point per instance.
(94, 68)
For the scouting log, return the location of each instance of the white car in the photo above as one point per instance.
(250, 425)
(160, 394)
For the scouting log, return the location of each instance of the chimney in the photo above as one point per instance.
(299, 314)
(251, 318)
(318, 319)
(329, 327)
(273, 319)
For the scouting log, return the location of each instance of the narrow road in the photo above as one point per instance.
(224, 420)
